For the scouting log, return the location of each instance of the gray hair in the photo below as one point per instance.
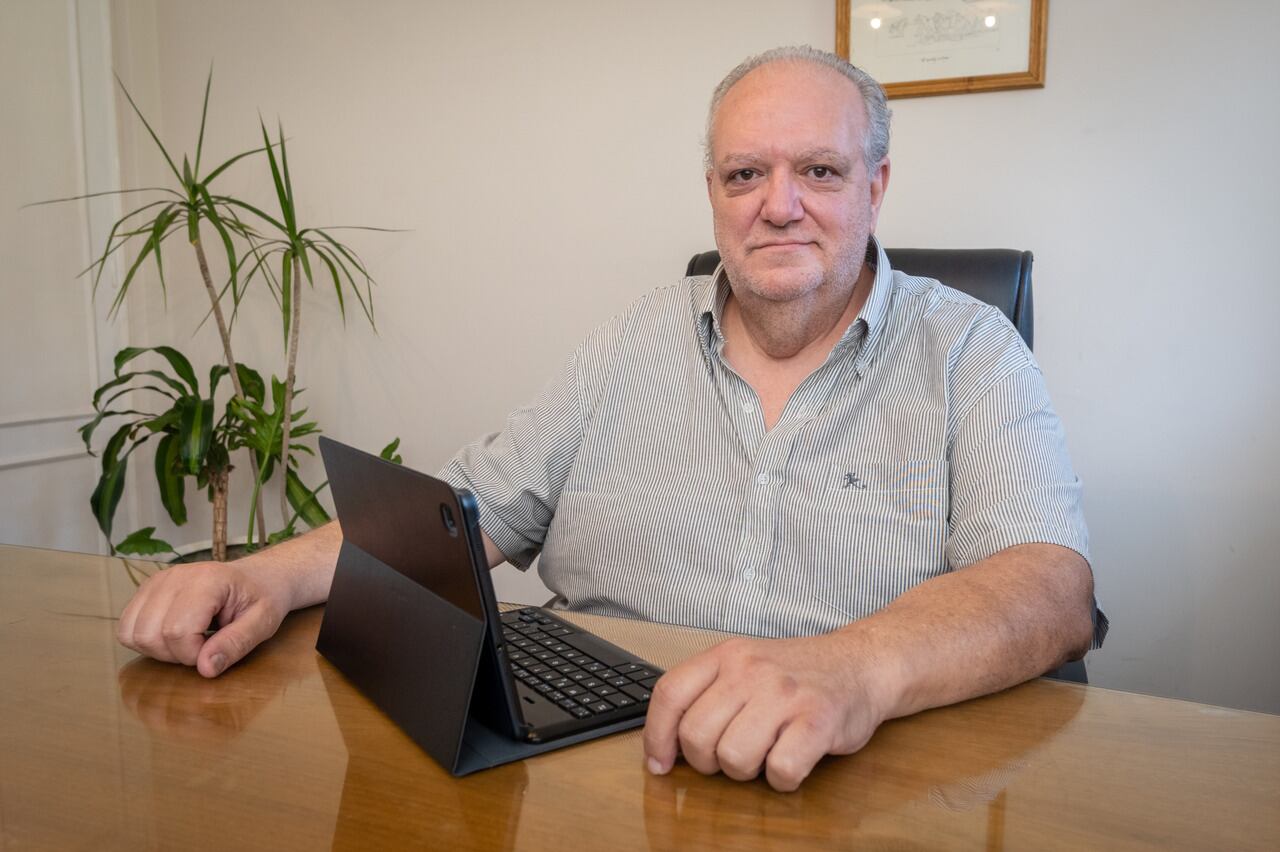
(875, 144)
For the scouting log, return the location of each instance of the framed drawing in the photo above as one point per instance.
(943, 47)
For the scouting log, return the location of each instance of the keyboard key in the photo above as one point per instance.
(543, 687)
(641, 674)
(593, 667)
(539, 668)
(627, 668)
(638, 692)
(560, 682)
(560, 631)
(579, 675)
(648, 682)
(550, 675)
(601, 707)
(603, 689)
(619, 700)
(566, 669)
(592, 683)
(560, 648)
(581, 712)
(574, 691)
(567, 703)
(556, 695)
(618, 681)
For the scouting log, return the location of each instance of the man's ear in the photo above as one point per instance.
(879, 185)
(709, 176)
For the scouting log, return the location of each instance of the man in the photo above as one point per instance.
(806, 445)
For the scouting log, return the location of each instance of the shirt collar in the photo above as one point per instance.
(711, 293)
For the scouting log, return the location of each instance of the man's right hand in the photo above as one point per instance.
(170, 613)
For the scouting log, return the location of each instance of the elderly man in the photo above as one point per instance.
(807, 446)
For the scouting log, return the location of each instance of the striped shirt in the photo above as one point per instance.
(645, 477)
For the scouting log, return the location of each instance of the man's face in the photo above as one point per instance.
(792, 202)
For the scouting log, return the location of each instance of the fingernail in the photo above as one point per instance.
(655, 767)
(219, 662)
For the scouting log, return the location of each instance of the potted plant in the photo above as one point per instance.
(196, 437)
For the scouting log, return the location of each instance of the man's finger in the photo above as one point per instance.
(793, 756)
(704, 722)
(674, 692)
(240, 635)
(188, 617)
(746, 742)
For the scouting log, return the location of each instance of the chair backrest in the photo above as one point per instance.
(1000, 277)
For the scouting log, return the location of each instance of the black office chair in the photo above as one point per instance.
(1000, 277)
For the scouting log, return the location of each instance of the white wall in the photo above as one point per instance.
(52, 336)
(545, 159)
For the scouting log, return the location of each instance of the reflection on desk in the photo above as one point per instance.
(106, 750)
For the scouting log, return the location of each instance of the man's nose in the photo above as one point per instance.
(782, 204)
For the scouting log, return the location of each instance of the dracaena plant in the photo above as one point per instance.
(249, 239)
(194, 441)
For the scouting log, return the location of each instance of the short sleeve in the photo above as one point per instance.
(1011, 477)
(517, 474)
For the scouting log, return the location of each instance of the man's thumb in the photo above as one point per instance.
(226, 647)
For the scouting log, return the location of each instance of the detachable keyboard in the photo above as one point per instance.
(562, 666)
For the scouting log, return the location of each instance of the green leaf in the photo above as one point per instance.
(86, 431)
(231, 162)
(337, 284)
(143, 119)
(204, 112)
(142, 543)
(266, 217)
(181, 366)
(106, 496)
(120, 380)
(286, 206)
(389, 452)
(211, 213)
(304, 501)
(187, 180)
(216, 372)
(251, 383)
(169, 477)
(286, 293)
(195, 430)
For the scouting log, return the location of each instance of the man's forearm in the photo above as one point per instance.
(994, 624)
(302, 567)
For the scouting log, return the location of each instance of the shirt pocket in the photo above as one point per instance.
(885, 523)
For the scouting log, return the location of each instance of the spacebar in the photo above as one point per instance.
(597, 648)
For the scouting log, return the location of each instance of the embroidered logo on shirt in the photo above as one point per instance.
(851, 480)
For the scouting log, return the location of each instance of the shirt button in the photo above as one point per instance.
(746, 406)
(762, 479)
(749, 574)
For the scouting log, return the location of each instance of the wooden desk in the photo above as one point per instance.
(102, 750)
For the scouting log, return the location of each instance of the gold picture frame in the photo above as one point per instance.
(965, 45)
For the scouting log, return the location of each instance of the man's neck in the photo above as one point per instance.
(775, 346)
(798, 330)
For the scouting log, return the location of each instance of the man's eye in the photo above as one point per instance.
(821, 172)
(743, 175)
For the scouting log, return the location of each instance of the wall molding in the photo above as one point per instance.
(37, 419)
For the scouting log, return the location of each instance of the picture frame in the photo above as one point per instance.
(917, 48)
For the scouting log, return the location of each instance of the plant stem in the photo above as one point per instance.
(216, 305)
(289, 376)
(218, 483)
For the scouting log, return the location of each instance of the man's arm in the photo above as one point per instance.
(779, 705)
(249, 598)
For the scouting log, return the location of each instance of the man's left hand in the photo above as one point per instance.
(777, 705)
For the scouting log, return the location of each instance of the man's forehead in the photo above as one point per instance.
(798, 106)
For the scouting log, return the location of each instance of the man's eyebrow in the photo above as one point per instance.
(808, 155)
(739, 159)
(824, 154)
